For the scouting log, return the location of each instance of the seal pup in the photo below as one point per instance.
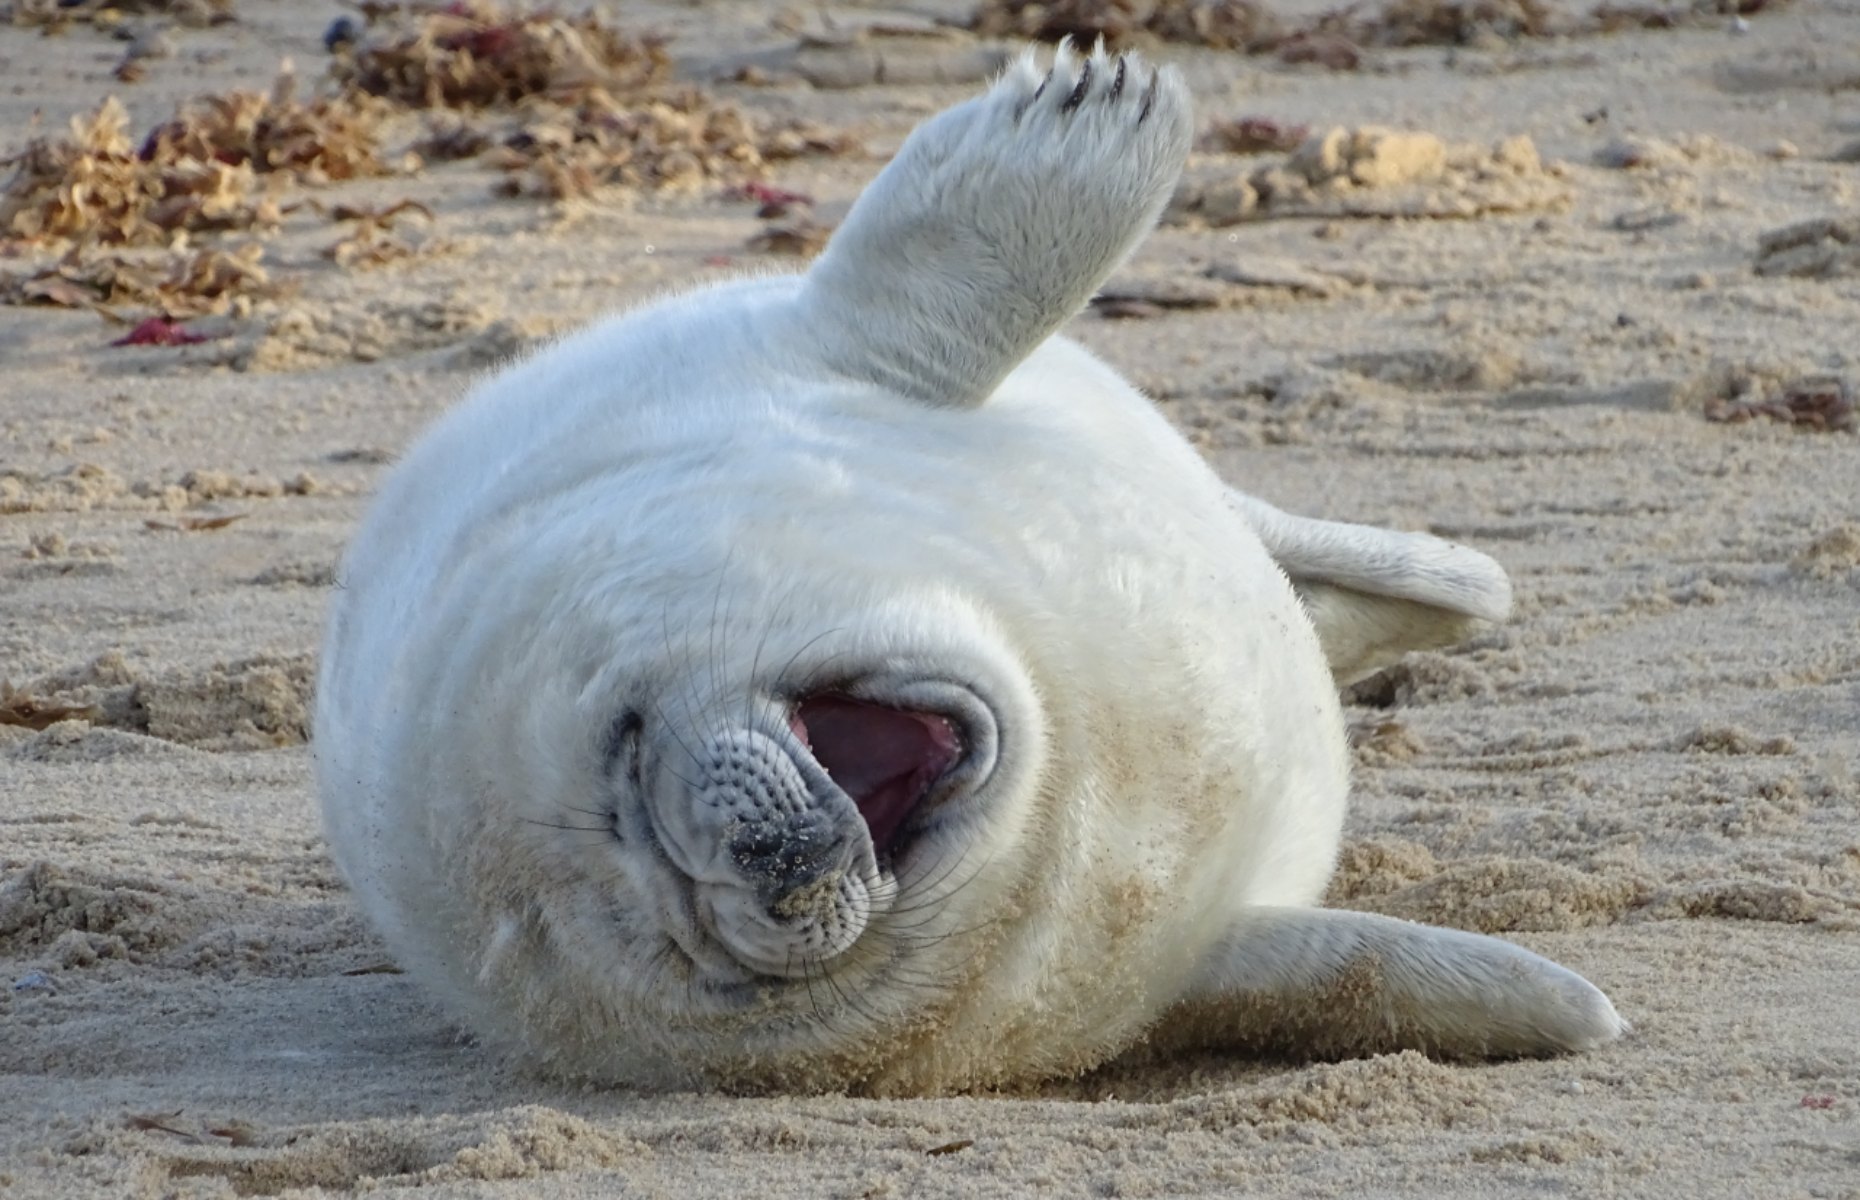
(838, 681)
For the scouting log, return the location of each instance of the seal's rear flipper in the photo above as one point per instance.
(1328, 983)
(994, 224)
(1375, 594)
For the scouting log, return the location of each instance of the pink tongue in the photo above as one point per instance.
(884, 758)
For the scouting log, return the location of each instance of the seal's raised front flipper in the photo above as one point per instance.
(995, 223)
(1330, 983)
(1375, 594)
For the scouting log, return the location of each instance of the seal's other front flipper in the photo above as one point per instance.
(994, 224)
(1375, 594)
(1327, 983)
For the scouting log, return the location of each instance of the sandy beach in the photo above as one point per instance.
(1577, 286)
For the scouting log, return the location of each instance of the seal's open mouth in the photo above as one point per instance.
(886, 759)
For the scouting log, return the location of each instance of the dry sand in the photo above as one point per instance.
(1650, 773)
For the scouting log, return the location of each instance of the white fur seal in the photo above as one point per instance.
(839, 681)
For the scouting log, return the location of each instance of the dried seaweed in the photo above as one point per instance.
(1253, 135)
(1222, 24)
(1821, 403)
(450, 139)
(1453, 22)
(678, 140)
(175, 285)
(1334, 39)
(478, 55)
(20, 708)
(194, 524)
(374, 241)
(160, 331)
(771, 201)
(317, 141)
(54, 16)
(1819, 248)
(195, 172)
(800, 235)
(144, 47)
(91, 187)
(790, 228)
(1609, 17)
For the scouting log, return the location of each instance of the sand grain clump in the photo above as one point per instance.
(1376, 172)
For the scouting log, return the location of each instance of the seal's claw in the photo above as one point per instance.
(1000, 217)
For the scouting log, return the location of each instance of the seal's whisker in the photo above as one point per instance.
(928, 894)
(849, 1001)
(822, 1016)
(658, 962)
(809, 644)
(717, 699)
(753, 685)
(606, 831)
(665, 626)
(679, 740)
(701, 710)
(924, 941)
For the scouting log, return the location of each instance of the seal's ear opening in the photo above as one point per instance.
(1375, 594)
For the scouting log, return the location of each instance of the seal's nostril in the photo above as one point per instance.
(787, 855)
(758, 849)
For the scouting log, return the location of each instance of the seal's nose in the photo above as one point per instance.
(795, 852)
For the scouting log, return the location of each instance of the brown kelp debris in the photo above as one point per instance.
(21, 708)
(1451, 22)
(1252, 135)
(99, 193)
(193, 524)
(144, 47)
(678, 140)
(189, 284)
(1821, 248)
(197, 172)
(1820, 403)
(450, 139)
(317, 141)
(791, 231)
(791, 227)
(592, 104)
(57, 15)
(478, 54)
(163, 331)
(770, 201)
(1222, 24)
(799, 235)
(1476, 22)
(374, 241)
(1334, 39)
(92, 186)
(1610, 18)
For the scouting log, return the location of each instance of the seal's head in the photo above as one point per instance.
(792, 796)
(783, 833)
